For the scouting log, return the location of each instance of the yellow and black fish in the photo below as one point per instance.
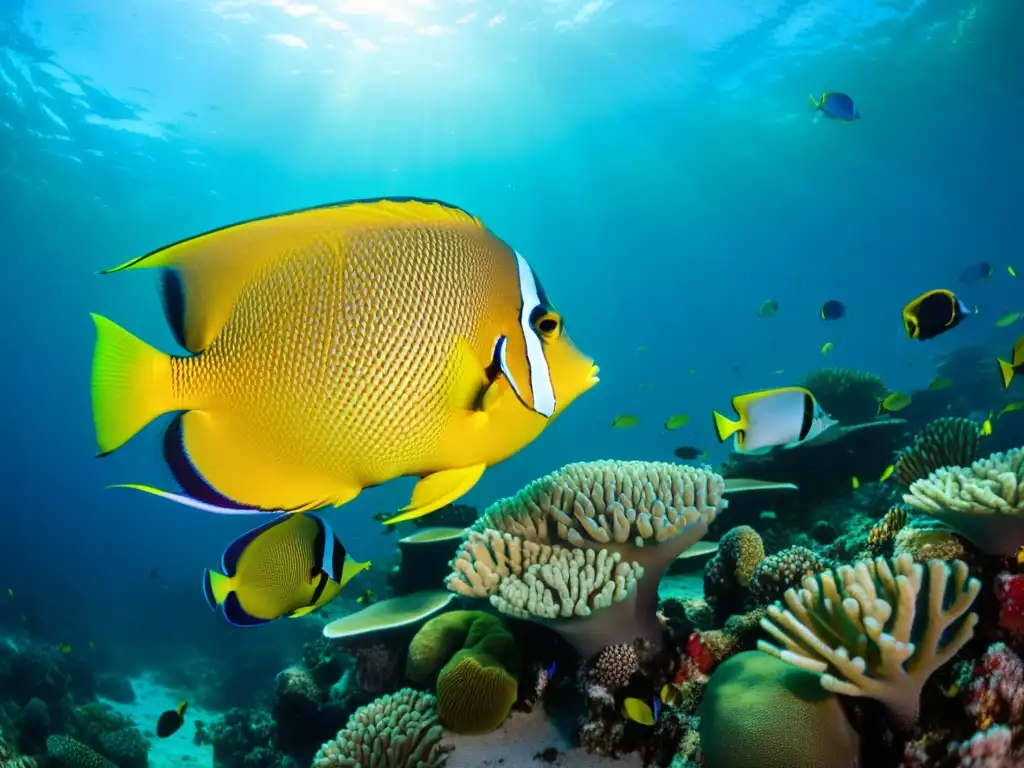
(171, 720)
(336, 348)
(1016, 364)
(934, 313)
(288, 567)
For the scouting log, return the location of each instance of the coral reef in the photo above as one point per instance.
(400, 730)
(984, 502)
(848, 396)
(475, 664)
(859, 628)
(423, 559)
(66, 752)
(728, 573)
(615, 665)
(452, 516)
(761, 712)
(387, 616)
(888, 527)
(944, 442)
(782, 571)
(618, 521)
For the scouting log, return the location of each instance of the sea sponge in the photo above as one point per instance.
(924, 544)
(67, 752)
(945, 442)
(983, 502)
(476, 664)
(859, 628)
(616, 521)
(760, 712)
(848, 396)
(400, 730)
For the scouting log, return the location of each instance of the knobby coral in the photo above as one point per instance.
(849, 396)
(983, 502)
(877, 629)
(400, 730)
(728, 573)
(619, 524)
(945, 442)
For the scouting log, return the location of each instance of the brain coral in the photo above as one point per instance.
(614, 521)
(760, 712)
(476, 663)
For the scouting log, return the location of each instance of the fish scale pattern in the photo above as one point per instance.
(362, 343)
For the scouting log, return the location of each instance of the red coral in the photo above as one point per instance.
(1010, 592)
(699, 653)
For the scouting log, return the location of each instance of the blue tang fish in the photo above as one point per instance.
(837, 106)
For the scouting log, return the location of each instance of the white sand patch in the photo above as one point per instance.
(179, 750)
(519, 742)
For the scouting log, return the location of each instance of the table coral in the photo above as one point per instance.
(400, 730)
(983, 502)
(614, 521)
(859, 627)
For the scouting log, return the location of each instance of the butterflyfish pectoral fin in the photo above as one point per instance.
(187, 501)
(471, 382)
(297, 614)
(438, 490)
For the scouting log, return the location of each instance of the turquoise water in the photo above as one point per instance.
(658, 163)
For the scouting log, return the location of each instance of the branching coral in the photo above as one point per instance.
(876, 629)
(400, 730)
(615, 521)
(945, 442)
(983, 502)
(849, 396)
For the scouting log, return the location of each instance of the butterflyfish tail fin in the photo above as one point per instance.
(216, 587)
(725, 427)
(351, 569)
(131, 384)
(1007, 372)
(438, 490)
(182, 708)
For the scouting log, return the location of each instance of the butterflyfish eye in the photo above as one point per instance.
(548, 324)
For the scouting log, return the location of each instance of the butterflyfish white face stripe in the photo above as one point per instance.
(327, 563)
(540, 375)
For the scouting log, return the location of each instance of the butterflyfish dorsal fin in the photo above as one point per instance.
(351, 569)
(213, 268)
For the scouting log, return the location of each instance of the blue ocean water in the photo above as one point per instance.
(658, 162)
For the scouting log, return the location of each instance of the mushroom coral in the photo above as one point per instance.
(618, 525)
(983, 502)
(877, 629)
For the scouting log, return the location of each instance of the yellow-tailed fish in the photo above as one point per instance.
(986, 426)
(827, 347)
(677, 421)
(693, 371)
(887, 473)
(367, 597)
(1010, 409)
(625, 421)
(288, 567)
(642, 348)
(1020, 555)
(1007, 370)
(64, 648)
(336, 348)
(640, 711)
(855, 482)
(940, 383)
(10, 592)
(769, 308)
(1009, 318)
(171, 720)
(671, 694)
(934, 313)
(772, 417)
(894, 402)
(1012, 271)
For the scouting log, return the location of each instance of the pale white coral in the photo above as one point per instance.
(859, 627)
(984, 502)
(638, 502)
(613, 522)
(400, 730)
